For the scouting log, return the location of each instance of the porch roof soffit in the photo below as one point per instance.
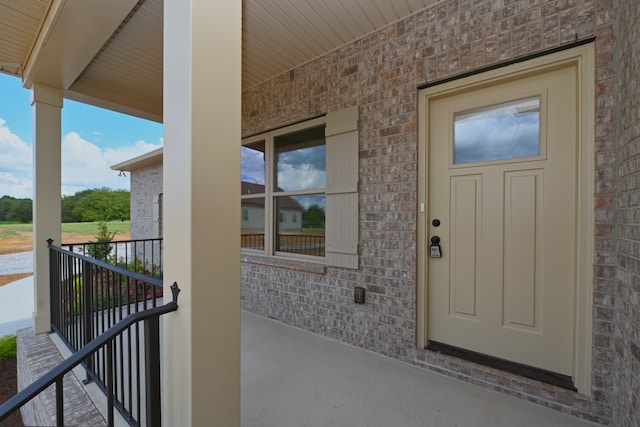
(109, 53)
(148, 159)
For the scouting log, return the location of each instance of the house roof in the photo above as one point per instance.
(252, 188)
(155, 157)
(109, 53)
(145, 160)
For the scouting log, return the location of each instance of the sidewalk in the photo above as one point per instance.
(16, 305)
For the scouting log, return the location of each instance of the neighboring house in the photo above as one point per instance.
(145, 173)
(477, 163)
(253, 211)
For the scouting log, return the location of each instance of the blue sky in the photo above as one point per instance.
(93, 139)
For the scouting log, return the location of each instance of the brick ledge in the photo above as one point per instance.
(37, 355)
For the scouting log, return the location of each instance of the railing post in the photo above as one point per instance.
(152, 368)
(87, 314)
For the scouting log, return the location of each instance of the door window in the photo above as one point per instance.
(498, 132)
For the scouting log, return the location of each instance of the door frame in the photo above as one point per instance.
(583, 57)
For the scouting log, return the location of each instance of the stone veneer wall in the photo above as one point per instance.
(627, 302)
(146, 185)
(380, 73)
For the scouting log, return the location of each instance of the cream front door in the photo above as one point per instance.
(502, 197)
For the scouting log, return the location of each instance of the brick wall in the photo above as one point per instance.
(380, 73)
(627, 303)
(146, 185)
(37, 355)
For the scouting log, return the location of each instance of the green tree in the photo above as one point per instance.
(313, 217)
(120, 205)
(68, 205)
(21, 210)
(12, 209)
(100, 204)
(5, 205)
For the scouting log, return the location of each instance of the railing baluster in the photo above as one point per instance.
(87, 313)
(59, 402)
(122, 369)
(129, 362)
(138, 388)
(152, 371)
(110, 415)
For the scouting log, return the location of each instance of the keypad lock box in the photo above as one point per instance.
(434, 250)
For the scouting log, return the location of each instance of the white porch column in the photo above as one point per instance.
(202, 91)
(47, 133)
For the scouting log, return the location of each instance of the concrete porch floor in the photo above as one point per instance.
(294, 378)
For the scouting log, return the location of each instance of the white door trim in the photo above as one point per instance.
(584, 59)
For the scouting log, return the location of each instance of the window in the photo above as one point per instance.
(299, 185)
(291, 183)
(504, 131)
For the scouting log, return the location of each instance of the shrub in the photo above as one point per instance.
(102, 249)
(7, 347)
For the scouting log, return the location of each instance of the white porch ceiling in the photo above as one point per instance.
(109, 53)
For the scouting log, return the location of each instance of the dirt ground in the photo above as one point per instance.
(8, 278)
(8, 388)
(24, 242)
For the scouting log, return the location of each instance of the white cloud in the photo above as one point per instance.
(16, 161)
(84, 164)
(252, 165)
(300, 177)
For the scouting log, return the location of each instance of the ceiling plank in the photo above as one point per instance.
(63, 49)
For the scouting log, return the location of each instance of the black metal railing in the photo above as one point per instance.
(107, 343)
(252, 241)
(305, 244)
(88, 297)
(141, 255)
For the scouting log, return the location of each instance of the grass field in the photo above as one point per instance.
(91, 228)
(13, 229)
(19, 237)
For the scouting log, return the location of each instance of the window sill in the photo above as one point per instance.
(288, 263)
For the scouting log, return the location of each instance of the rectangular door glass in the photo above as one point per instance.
(504, 131)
